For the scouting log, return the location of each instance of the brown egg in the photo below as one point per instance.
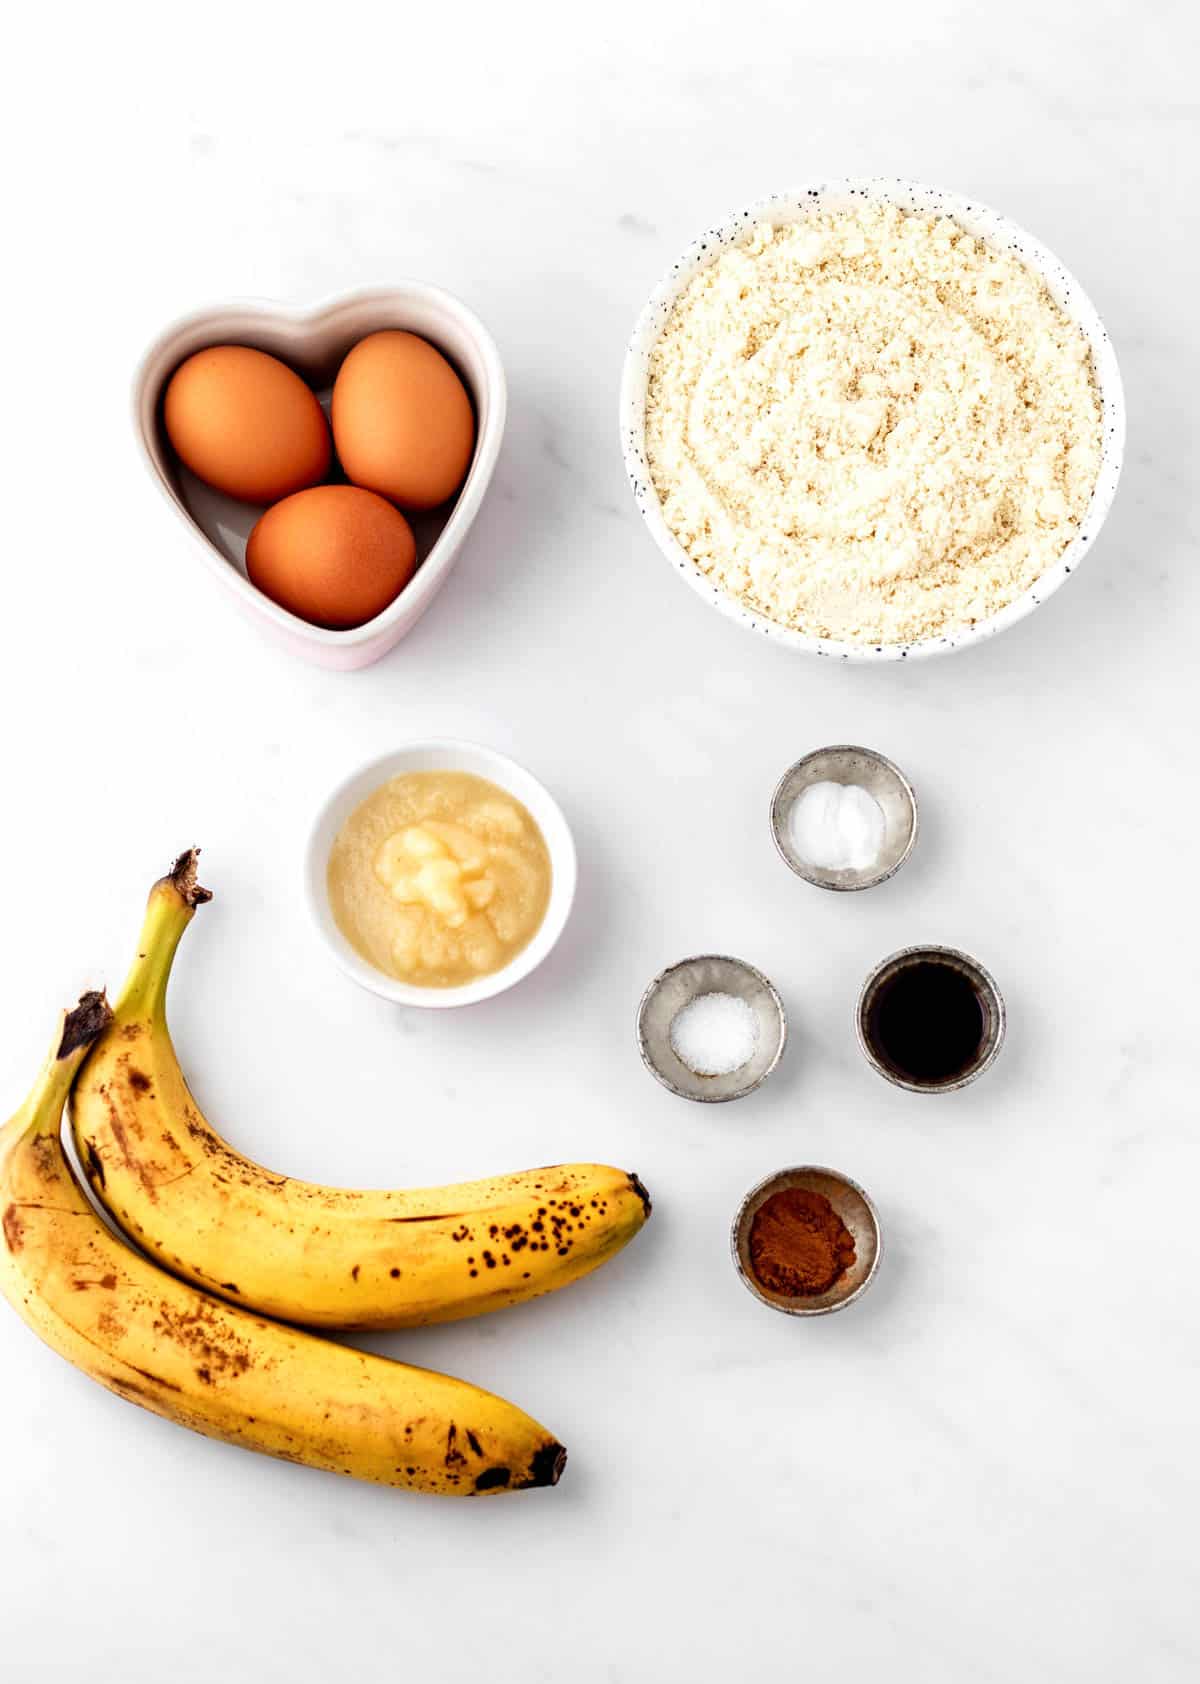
(245, 423)
(335, 555)
(402, 420)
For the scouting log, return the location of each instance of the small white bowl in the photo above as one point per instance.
(314, 342)
(783, 208)
(441, 755)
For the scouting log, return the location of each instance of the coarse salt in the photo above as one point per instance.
(714, 1034)
(837, 827)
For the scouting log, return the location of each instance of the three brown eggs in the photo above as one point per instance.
(401, 426)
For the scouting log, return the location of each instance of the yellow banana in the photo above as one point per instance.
(221, 1371)
(324, 1256)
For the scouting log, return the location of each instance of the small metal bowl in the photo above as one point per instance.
(678, 986)
(987, 992)
(846, 764)
(855, 1210)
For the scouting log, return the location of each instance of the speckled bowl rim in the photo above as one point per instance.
(986, 224)
(798, 1306)
(652, 988)
(813, 874)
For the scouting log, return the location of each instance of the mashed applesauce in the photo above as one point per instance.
(439, 878)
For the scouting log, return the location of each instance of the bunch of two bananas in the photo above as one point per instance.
(187, 1335)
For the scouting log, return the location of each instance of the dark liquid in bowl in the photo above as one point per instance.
(927, 1022)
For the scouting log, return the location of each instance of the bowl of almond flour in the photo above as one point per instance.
(872, 420)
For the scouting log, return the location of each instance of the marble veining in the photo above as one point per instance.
(985, 1471)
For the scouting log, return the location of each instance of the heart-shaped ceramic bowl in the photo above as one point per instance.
(314, 342)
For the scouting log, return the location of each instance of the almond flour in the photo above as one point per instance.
(870, 426)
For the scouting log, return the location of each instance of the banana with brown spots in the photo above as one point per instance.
(222, 1371)
(322, 1256)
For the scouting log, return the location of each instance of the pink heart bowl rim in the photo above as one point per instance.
(418, 306)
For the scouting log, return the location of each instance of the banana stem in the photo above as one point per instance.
(173, 900)
(81, 1026)
(46, 1099)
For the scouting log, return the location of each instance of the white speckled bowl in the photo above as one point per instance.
(986, 225)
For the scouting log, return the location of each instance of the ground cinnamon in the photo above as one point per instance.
(799, 1245)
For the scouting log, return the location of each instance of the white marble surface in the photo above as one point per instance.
(984, 1471)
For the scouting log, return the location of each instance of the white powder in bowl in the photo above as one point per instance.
(871, 426)
(837, 827)
(714, 1034)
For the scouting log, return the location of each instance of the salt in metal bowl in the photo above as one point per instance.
(856, 1211)
(678, 986)
(884, 781)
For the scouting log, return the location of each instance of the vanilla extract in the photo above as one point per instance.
(927, 1022)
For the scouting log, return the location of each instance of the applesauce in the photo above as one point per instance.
(439, 878)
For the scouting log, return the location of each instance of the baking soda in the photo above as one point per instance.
(837, 827)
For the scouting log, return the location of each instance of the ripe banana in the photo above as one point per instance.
(324, 1256)
(221, 1371)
